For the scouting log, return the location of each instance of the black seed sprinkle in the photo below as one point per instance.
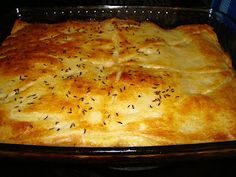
(150, 106)
(119, 122)
(21, 78)
(72, 125)
(84, 111)
(155, 100)
(139, 96)
(34, 94)
(117, 114)
(54, 76)
(31, 95)
(57, 122)
(90, 108)
(45, 118)
(132, 106)
(70, 111)
(58, 129)
(85, 130)
(167, 95)
(17, 91)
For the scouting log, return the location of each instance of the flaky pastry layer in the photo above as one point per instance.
(115, 83)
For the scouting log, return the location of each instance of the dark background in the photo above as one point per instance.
(26, 168)
(224, 167)
(12, 3)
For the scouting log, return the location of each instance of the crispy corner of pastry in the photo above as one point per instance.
(18, 25)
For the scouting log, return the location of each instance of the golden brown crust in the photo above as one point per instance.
(115, 83)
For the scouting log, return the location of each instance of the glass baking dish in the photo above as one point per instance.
(166, 17)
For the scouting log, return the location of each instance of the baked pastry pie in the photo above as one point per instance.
(115, 83)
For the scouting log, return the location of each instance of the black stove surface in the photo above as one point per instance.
(204, 168)
(179, 3)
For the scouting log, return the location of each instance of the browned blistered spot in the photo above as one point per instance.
(196, 29)
(22, 60)
(21, 126)
(101, 53)
(198, 102)
(153, 41)
(220, 137)
(45, 103)
(140, 78)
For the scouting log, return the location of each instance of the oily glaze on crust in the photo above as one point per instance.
(115, 83)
